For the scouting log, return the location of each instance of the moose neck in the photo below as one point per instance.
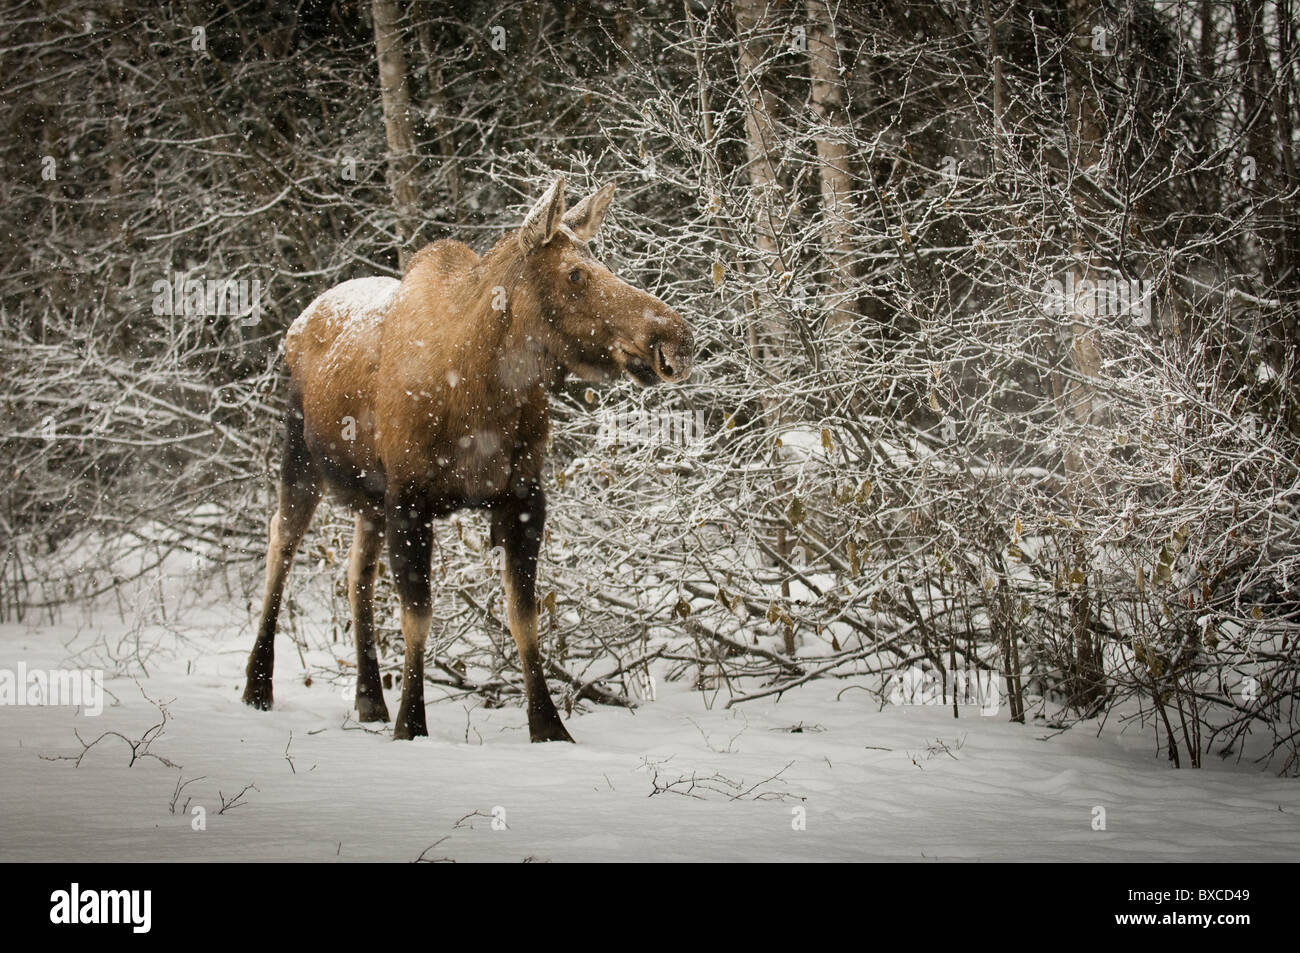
(514, 348)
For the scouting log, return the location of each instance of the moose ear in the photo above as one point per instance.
(544, 219)
(585, 217)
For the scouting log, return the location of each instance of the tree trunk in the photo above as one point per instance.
(832, 155)
(397, 124)
(761, 151)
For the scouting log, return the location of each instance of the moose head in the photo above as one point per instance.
(598, 325)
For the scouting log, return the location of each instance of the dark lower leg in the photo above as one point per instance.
(410, 549)
(517, 527)
(362, 563)
(543, 720)
(410, 712)
(297, 503)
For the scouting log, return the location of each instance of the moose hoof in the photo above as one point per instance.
(410, 725)
(550, 731)
(257, 694)
(371, 709)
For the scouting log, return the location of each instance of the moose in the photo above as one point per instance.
(411, 400)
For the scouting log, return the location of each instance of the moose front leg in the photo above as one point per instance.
(517, 528)
(410, 550)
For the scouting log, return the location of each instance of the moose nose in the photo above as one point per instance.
(672, 349)
(674, 352)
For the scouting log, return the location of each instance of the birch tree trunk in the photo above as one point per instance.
(827, 94)
(397, 123)
(762, 153)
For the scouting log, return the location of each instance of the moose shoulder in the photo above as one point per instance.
(413, 399)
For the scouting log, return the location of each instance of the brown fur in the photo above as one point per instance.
(448, 398)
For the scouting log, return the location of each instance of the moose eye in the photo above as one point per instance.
(575, 276)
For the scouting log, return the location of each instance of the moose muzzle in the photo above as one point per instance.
(672, 350)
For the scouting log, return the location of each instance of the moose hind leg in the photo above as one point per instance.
(367, 543)
(517, 527)
(300, 491)
(410, 550)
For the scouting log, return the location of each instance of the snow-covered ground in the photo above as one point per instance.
(821, 774)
